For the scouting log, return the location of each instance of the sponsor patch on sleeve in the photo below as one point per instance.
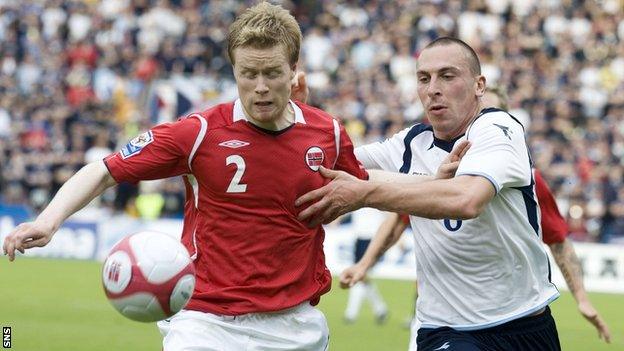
(137, 144)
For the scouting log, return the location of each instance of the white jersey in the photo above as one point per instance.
(366, 221)
(482, 272)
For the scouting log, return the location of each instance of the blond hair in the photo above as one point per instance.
(501, 94)
(264, 26)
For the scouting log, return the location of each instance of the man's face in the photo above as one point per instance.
(263, 78)
(448, 90)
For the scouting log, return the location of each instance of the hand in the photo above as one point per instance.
(343, 194)
(450, 164)
(26, 236)
(589, 312)
(350, 276)
(299, 88)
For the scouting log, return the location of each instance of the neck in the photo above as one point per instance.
(461, 129)
(286, 119)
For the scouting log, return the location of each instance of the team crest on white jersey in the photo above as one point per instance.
(314, 158)
(137, 144)
(234, 144)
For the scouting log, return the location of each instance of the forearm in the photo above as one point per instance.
(382, 241)
(84, 186)
(570, 267)
(435, 199)
(376, 175)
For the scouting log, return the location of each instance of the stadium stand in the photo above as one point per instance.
(80, 78)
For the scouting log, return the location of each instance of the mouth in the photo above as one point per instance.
(436, 109)
(263, 103)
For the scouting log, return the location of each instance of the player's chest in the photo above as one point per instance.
(426, 161)
(248, 164)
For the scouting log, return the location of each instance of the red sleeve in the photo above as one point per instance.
(161, 152)
(346, 159)
(554, 227)
(404, 218)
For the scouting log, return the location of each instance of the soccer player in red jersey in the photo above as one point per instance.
(260, 270)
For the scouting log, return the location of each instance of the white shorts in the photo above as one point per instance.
(302, 327)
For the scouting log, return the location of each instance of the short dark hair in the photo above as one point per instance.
(473, 59)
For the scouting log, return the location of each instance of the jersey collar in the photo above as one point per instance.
(444, 144)
(239, 114)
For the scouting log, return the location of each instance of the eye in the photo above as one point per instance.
(448, 76)
(273, 74)
(248, 74)
(423, 79)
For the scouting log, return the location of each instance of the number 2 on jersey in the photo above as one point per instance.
(235, 184)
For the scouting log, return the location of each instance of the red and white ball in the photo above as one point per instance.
(148, 276)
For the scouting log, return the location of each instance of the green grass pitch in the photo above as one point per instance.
(55, 305)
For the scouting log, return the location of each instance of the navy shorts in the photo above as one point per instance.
(533, 333)
(360, 249)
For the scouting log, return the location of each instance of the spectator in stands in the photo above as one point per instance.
(566, 67)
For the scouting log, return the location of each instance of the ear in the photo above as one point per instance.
(293, 70)
(480, 86)
(234, 73)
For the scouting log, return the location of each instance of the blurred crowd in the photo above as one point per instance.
(80, 78)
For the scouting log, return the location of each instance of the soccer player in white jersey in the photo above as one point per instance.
(554, 232)
(484, 277)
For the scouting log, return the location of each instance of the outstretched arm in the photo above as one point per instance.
(447, 168)
(76, 193)
(400, 193)
(461, 197)
(570, 267)
(387, 235)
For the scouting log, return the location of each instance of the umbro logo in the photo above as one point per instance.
(234, 144)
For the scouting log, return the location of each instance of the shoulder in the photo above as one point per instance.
(312, 111)
(315, 117)
(420, 132)
(416, 136)
(214, 117)
(416, 130)
(492, 115)
(495, 119)
(538, 177)
(541, 187)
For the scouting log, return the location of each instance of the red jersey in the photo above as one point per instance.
(404, 218)
(251, 253)
(554, 227)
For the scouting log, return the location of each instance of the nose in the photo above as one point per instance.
(433, 88)
(261, 86)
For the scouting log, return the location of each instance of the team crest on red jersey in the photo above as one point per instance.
(314, 158)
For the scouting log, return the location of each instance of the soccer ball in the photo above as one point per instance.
(148, 276)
